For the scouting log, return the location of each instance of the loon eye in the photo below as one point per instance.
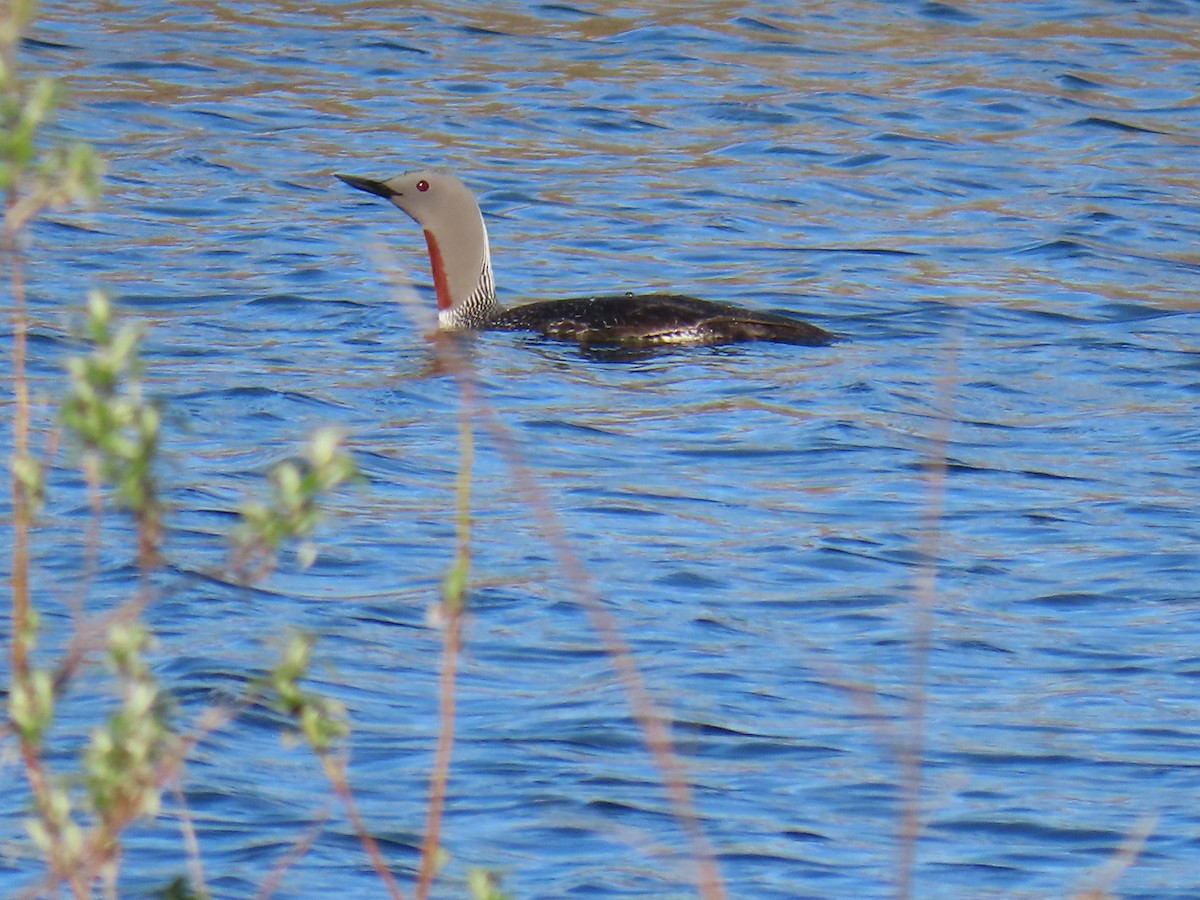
(422, 185)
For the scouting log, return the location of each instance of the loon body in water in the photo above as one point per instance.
(466, 292)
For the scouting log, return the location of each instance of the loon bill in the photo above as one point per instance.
(461, 261)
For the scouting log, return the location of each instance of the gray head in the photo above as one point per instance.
(456, 236)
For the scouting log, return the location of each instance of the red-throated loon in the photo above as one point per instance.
(466, 291)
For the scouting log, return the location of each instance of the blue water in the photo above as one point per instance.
(995, 203)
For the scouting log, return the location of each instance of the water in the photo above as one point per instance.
(995, 203)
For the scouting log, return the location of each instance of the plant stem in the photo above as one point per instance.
(335, 770)
(453, 603)
(22, 512)
(646, 712)
(925, 597)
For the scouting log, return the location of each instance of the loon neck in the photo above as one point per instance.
(440, 286)
(462, 280)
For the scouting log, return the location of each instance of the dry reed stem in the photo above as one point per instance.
(452, 606)
(1127, 854)
(440, 776)
(646, 713)
(912, 750)
(191, 843)
(645, 710)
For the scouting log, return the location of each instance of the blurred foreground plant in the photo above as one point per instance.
(78, 819)
(31, 181)
(116, 426)
(131, 757)
(76, 850)
(293, 512)
(323, 724)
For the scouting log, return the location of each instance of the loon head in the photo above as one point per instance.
(446, 209)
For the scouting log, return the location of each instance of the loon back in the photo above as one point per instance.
(653, 320)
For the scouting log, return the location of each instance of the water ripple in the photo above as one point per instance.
(993, 203)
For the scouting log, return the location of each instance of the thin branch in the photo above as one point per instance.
(297, 853)
(335, 770)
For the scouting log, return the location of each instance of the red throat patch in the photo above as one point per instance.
(440, 287)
